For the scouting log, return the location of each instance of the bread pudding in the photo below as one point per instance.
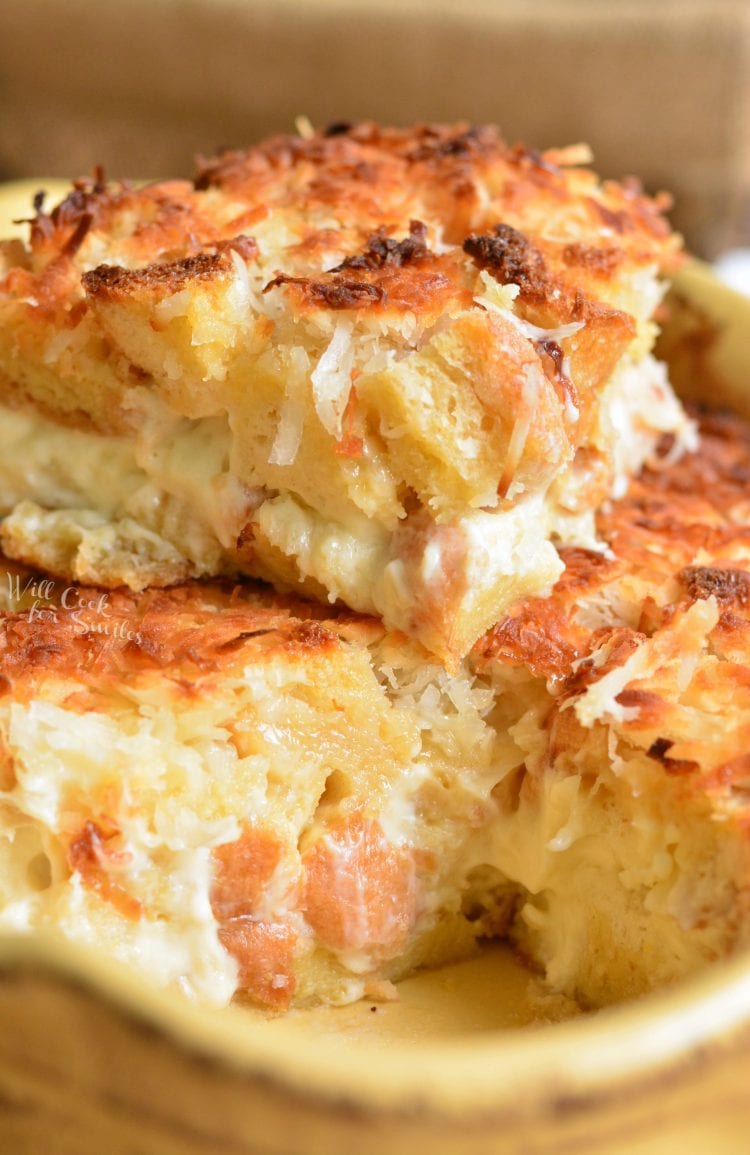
(388, 368)
(246, 795)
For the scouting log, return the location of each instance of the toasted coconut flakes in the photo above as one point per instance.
(535, 333)
(493, 296)
(242, 281)
(331, 379)
(292, 417)
(304, 127)
(499, 299)
(571, 155)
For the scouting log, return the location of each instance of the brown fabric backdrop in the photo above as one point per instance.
(657, 87)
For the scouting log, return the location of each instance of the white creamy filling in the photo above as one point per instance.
(345, 559)
(61, 467)
(189, 460)
(62, 759)
(639, 406)
(174, 481)
(574, 853)
(356, 564)
(511, 542)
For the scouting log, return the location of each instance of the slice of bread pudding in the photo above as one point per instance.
(386, 367)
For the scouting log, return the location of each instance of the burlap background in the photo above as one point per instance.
(658, 87)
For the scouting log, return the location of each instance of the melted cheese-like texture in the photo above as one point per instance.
(168, 505)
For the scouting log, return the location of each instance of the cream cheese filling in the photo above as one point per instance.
(175, 483)
(165, 505)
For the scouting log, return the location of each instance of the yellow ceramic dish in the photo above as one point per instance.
(94, 1060)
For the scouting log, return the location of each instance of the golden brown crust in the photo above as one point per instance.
(512, 259)
(191, 632)
(726, 585)
(679, 541)
(367, 166)
(427, 286)
(669, 516)
(112, 281)
(362, 175)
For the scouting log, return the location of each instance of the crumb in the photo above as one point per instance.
(381, 991)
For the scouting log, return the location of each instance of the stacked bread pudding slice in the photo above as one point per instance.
(496, 685)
